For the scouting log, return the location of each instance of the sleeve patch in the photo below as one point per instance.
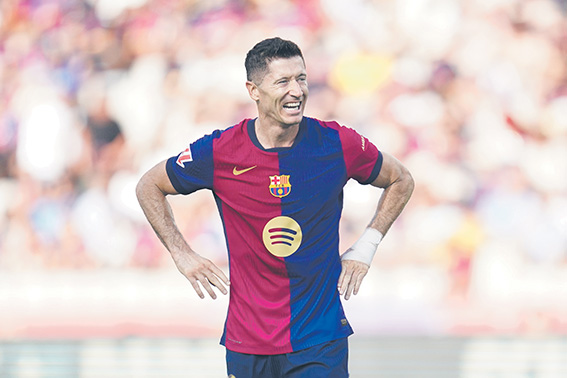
(184, 157)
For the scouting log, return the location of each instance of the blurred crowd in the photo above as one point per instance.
(470, 95)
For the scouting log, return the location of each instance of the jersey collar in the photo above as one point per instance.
(256, 142)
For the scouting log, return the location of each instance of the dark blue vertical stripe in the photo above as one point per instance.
(317, 175)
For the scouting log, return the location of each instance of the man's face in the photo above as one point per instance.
(282, 93)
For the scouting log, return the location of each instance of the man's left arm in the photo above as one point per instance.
(398, 185)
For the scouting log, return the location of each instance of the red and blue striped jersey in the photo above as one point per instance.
(280, 210)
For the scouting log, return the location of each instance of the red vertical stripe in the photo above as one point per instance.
(259, 312)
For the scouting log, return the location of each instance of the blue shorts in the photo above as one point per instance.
(327, 360)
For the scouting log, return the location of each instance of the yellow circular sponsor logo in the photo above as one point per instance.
(282, 236)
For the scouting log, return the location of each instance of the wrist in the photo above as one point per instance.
(365, 247)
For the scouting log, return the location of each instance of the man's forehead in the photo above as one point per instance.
(286, 65)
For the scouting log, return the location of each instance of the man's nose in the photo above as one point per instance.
(295, 89)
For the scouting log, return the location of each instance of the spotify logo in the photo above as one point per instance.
(282, 236)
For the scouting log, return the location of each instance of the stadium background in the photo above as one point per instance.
(470, 95)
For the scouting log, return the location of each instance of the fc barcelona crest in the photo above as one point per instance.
(280, 186)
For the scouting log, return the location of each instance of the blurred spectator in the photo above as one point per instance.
(472, 96)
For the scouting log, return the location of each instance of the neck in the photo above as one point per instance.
(277, 135)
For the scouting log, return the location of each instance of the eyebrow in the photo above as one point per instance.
(288, 77)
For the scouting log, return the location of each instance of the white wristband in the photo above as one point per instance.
(365, 247)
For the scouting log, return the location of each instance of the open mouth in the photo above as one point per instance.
(293, 105)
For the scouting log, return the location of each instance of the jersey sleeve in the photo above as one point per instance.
(362, 158)
(193, 168)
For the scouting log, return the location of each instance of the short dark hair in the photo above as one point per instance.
(264, 52)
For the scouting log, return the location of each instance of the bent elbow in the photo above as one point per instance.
(407, 179)
(141, 187)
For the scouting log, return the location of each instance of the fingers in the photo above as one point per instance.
(196, 286)
(351, 277)
(219, 273)
(206, 284)
(344, 278)
(358, 282)
(204, 273)
(349, 289)
(207, 281)
(214, 280)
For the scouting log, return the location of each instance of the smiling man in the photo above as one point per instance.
(278, 183)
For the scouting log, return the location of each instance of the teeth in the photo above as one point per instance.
(292, 105)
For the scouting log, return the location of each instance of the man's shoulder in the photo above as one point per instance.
(325, 124)
(232, 134)
(227, 134)
(233, 129)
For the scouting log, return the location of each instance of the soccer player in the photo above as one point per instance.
(278, 183)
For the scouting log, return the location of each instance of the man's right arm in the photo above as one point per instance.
(151, 191)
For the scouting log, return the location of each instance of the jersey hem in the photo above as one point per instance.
(283, 350)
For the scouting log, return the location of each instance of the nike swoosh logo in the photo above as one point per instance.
(237, 172)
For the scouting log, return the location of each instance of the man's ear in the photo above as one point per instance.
(252, 90)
